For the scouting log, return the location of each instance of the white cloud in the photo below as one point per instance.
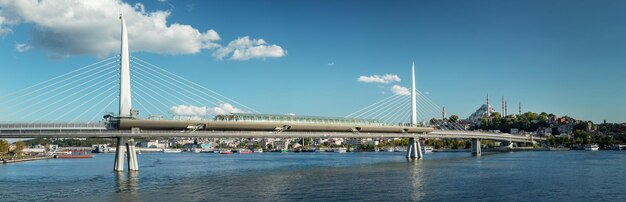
(77, 27)
(21, 47)
(3, 23)
(387, 78)
(189, 111)
(197, 112)
(399, 90)
(224, 108)
(245, 48)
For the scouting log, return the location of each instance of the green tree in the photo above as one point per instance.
(19, 147)
(4, 146)
(454, 118)
(434, 121)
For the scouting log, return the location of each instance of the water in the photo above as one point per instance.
(519, 176)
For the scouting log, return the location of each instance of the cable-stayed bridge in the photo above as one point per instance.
(83, 102)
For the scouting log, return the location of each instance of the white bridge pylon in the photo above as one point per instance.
(125, 145)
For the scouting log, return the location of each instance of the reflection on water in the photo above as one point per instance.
(417, 177)
(127, 181)
(384, 176)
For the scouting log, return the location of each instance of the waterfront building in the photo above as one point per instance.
(357, 142)
(153, 144)
(281, 144)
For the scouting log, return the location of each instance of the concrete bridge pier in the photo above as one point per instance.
(119, 154)
(125, 147)
(132, 155)
(476, 147)
(414, 151)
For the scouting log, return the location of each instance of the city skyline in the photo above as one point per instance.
(335, 62)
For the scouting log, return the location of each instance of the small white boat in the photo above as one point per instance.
(340, 150)
(591, 147)
(258, 151)
(427, 149)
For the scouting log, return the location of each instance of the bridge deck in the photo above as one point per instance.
(253, 134)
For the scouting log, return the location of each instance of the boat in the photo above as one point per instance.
(258, 151)
(73, 156)
(340, 150)
(427, 149)
(226, 152)
(172, 150)
(55, 153)
(390, 149)
(591, 147)
(619, 147)
(244, 151)
(284, 150)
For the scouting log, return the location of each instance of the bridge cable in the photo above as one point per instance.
(88, 101)
(195, 84)
(51, 79)
(73, 101)
(57, 94)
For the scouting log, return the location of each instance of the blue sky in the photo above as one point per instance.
(564, 57)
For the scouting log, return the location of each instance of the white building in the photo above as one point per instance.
(153, 144)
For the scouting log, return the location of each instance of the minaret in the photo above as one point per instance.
(506, 108)
(487, 112)
(520, 108)
(443, 114)
(502, 112)
(413, 99)
(125, 100)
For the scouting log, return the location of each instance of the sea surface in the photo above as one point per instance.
(360, 176)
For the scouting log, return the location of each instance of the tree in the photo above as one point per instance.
(270, 146)
(4, 146)
(454, 118)
(433, 121)
(19, 146)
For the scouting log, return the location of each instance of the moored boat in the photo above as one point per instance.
(73, 156)
(226, 152)
(340, 150)
(591, 147)
(172, 150)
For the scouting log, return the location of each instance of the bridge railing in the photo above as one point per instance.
(51, 125)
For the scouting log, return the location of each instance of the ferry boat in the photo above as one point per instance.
(71, 155)
(427, 149)
(244, 151)
(591, 147)
(172, 150)
(340, 150)
(55, 153)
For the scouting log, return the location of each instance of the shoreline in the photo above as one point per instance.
(25, 159)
